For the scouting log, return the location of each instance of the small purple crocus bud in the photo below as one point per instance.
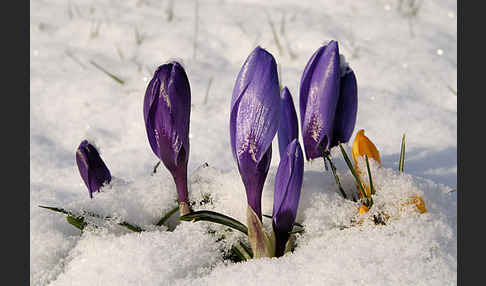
(288, 183)
(288, 128)
(254, 121)
(328, 101)
(166, 111)
(91, 167)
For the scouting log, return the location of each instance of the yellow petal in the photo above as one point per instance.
(418, 202)
(363, 209)
(362, 145)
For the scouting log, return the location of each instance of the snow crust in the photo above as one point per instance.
(405, 85)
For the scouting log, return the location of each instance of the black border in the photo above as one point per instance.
(15, 25)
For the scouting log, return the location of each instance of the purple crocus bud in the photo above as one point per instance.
(166, 110)
(288, 128)
(328, 101)
(254, 121)
(288, 183)
(91, 167)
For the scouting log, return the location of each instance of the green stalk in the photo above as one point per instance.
(356, 177)
(327, 155)
(402, 155)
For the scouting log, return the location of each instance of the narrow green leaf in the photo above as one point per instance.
(402, 155)
(80, 217)
(353, 171)
(238, 253)
(297, 231)
(216, 218)
(58, 210)
(298, 224)
(155, 167)
(372, 189)
(267, 216)
(167, 215)
(247, 248)
(112, 76)
(77, 222)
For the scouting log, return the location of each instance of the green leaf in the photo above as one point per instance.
(155, 168)
(372, 189)
(80, 217)
(111, 75)
(216, 218)
(261, 244)
(77, 222)
(167, 215)
(58, 210)
(402, 155)
(353, 171)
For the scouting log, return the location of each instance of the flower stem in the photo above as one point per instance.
(327, 156)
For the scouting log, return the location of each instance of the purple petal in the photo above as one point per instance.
(167, 109)
(166, 113)
(288, 184)
(254, 121)
(347, 108)
(319, 94)
(288, 128)
(255, 106)
(91, 167)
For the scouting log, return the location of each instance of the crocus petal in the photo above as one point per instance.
(288, 184)
(288, 128)
(319, 94)
(362, 145)
(167, 108)
(346, 110)
(254, 121)
(91, 167)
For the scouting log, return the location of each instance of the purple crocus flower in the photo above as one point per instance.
(91, 167)
(328, 101)
(288, 128)
(254, 121)
(166, 111)
(288, 183)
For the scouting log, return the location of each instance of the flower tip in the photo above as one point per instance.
(285, 93)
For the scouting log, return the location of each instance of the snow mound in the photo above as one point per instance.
(412, 248)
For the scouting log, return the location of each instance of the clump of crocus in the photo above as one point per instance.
(328, 101)
(288, 184)
(363, 146)
(166, 110)
(288, 129)
(91, 167)
(254, 121)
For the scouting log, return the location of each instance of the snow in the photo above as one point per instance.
(405, 66)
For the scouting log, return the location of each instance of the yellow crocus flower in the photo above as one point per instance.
(362, 145)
